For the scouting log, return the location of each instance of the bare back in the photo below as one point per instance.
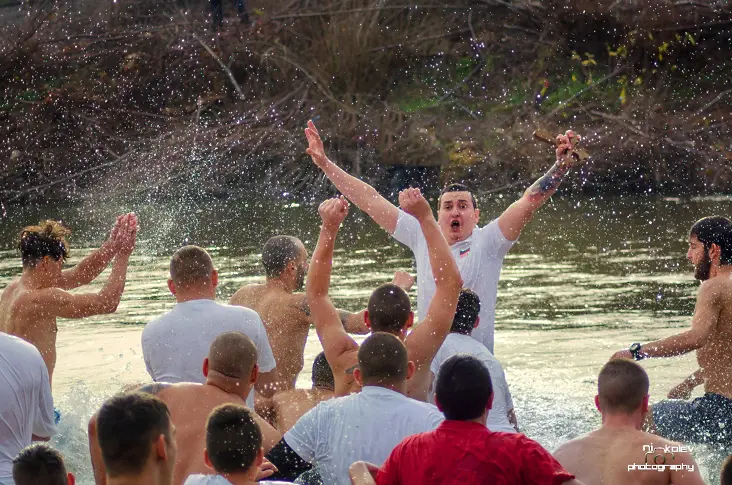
(22, 317)
(287, 325)
(714, 357)
(190, 405)
(603, 457)
(289, 406)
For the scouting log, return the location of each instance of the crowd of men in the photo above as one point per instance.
(412, 404)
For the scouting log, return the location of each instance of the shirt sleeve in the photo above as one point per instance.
(44, 424)
(303, 437)
(407, 230)
(539, 466)
(495, 243)
(265, 357)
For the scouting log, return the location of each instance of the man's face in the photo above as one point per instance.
(698, 255)
(301, 265)
(457, 216)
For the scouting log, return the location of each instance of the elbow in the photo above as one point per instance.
(109, 305)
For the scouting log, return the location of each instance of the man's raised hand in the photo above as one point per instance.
(565, 149)
(333, 211)
(315, 145)
(127, 234)
(413, 203)
(403, 280)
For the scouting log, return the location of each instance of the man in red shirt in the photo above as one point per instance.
(462, 450)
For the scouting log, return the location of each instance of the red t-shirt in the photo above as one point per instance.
(465, 453)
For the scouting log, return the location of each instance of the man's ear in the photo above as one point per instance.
(410, 369)
(161, 448)
(260, 458)
(410, 320)
(366, 319)
(254, 375)
(207, 459)
(171, 286)
(477, 322)
(597, 403)
(489, 406)
(70, 479)
(644, 404)
(715, 252)
(437, 403)
(214, 278)
(477, 215)
(357, 376)
(205, 367)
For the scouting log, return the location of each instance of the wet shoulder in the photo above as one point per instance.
(248, 295)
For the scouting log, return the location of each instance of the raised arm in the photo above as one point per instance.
(60, 303)
(92, 266)
(332, 335)
(425, 340)
(518, 214)
(366, 198)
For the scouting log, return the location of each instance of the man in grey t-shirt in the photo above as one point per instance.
(175, 344)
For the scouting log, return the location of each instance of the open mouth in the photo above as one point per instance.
(455, 225)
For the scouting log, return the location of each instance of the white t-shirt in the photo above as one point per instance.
(175, 344)
(479, 258)
(456, 343)
(219, 480)
(26, 405)
(364, 426)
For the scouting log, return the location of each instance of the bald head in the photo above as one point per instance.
(190, 266)
(232, 354)
(621, 386)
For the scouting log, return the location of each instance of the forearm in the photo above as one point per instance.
(112, 291)
(321, 264)
(671, 346)
(541, 190)
(695, 379)
(444, 268)
(90, 267)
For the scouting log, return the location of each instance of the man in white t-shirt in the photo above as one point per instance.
(175, 344)
(362, 426)
(501, 416)
(26, 405)
(479, 251)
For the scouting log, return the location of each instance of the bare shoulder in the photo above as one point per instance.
(246, 294)
(715, 287)
(286, 397)
(570, 448)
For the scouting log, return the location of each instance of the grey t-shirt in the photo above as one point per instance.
(219, 480)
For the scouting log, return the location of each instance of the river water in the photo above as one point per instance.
(588, 277)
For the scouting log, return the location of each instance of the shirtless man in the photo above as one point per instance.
(389, 308)
(289, 406)
(30, 305)
(479, 251)
(610, 455)
(708, 418)
(231, 371)
(284, 311)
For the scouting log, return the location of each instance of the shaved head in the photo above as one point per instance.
(232, 354)
(621, 386)
(191, 265)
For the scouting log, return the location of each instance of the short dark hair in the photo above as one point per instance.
(621, 386)
(48, 238)
(39, 464)
(383, 359)
(232, 354)
(458, 188)
(466, 313)
(127, 426)
(322, 373)
(389, 308)
(726, 477)
(715, 230)
(463, 387)
(233, 438)
(190, 265)
(278, 252)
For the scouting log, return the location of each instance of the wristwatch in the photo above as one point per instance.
(635, 351)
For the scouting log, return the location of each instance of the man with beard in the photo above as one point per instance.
(175, 344)
(284, 309)
(708, 418)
